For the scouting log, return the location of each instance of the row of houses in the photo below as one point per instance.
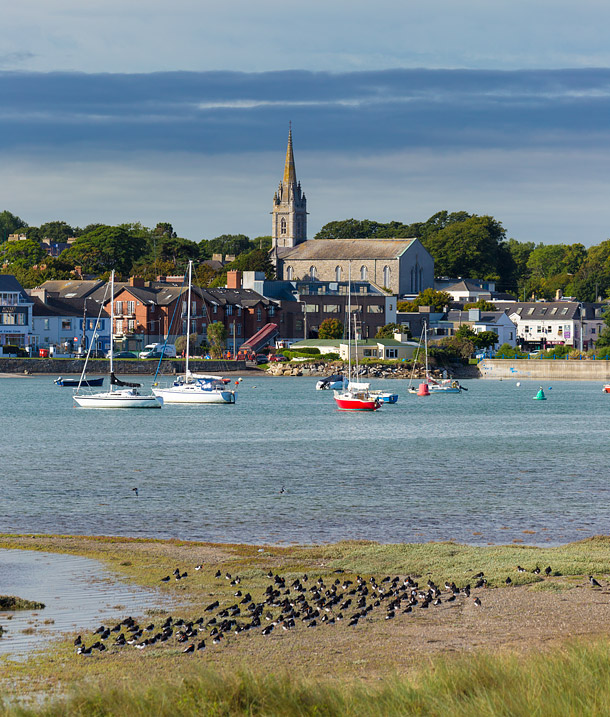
(72, 315)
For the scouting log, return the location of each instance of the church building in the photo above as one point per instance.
(402, 266)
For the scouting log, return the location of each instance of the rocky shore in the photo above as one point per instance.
(321, 368)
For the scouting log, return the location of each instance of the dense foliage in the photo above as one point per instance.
(330, 329)
(462, 244)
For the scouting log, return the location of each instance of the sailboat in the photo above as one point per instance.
(431, 385)
(126, 395)
(191, 387)
(354, 396)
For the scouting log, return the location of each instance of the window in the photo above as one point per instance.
(538, 329)
(549, 329)
(391, 353)
(66, 324)
(311, 308)
(215, 308)
(312, 273)
(239, 310)
(193, 326)
(519, 310)
(238, 329)
(131, 307)
(298, 325)
(592, 330)
(564, 311)
(271, 310)
(259, 314)
(363, 273)
(332, 309)
(543, 310)
(337, 273)
(530, 311)
(560, 331)
(289, 273)
(386, 276)
(118, 308)
(553, 311)
(526, 329)
(184, 308)
(229, 310)
(374, 309)
(510, 335)
(283, 226)
(131, 325)
(118, 326)
(370, 352)
(46, 324)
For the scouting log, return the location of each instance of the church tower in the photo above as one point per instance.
(289, 208)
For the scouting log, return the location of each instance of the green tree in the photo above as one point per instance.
(234, 244)
(9, 224)
(255, 260)
(106, 248)
(181, 343)
(481, 304)
(388, 331)
(436, 300)
(330, 329)
(23, 254)
(56, 231)
(217, 335)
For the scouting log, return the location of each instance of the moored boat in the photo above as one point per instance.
(74, 382)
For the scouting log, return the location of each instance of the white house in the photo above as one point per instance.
(479, 321)
(68, 326)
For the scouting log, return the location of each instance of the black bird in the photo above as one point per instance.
(477, 602)
(508, 581)
(594, 582)
(201, 645)
(536, 570)
(520, 569)
(135, 490)
(165, 579)
(78, 641)
(548, 571)
(189, 648)
(282, 490)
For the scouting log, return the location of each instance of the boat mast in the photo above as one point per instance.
(349, 322)
(111, 327)
(426, 345)
(188, 323)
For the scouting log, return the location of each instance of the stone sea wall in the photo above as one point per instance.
(535, 369)
(64, 367)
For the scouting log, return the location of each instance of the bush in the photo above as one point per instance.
(307, 350)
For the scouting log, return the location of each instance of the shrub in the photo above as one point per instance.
(308, 350)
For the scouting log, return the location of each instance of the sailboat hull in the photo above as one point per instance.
(194, 394)
(118, 399)
(350, 402)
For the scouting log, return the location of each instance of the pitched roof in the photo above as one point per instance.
(346, 249)
(72, 289)
(466, 285)
(9, 283)
(63, 307)
(545, 310)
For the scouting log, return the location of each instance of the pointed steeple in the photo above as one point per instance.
(290, 174)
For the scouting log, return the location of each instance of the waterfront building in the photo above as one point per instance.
(15, 313)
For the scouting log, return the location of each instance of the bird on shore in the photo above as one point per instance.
(594, 582)
(548, 571)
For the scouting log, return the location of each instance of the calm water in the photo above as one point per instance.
(77, 593)
(481, 467)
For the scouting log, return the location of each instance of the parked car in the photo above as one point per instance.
(96, 354)
(123, 355)
(158, 350)
(277, 357)
(262, 358)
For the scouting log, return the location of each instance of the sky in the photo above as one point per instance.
(153, 111)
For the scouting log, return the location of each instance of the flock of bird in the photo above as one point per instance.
(311, 601)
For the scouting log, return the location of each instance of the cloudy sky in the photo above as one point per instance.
(156, 111)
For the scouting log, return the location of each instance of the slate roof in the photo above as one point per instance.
(9, 283)
(487, 317)
(346, 249)
(59, 307)
(466, 285)
(72, 289)
(541, 310)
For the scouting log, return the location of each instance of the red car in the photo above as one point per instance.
(277, 357)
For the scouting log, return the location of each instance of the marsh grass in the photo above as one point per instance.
(573, 680)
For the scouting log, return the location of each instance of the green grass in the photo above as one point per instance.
(10, 602)
(573, 680)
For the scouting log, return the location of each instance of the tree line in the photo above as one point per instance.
(462, 244)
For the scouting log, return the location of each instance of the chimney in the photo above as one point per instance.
(217, 257)
(136, 281)
(558, 295)
(474, 314)
(78, 270)
(233, 279)
(161, 279)
(39, 294)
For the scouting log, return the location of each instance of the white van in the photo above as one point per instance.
(158, 350)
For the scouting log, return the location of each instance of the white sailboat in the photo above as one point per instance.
(126, 395)
(192, 387)
(431, 385)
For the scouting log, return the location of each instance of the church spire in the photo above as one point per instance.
(290, 175)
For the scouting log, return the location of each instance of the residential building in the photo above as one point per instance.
(498, 322)
(15, 313)
(382, 349)
(68, 325)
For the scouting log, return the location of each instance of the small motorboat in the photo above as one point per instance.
(606, 388)
(73, 382)
(334, 382)
(385, 396)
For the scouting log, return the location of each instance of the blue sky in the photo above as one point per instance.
(151, 111)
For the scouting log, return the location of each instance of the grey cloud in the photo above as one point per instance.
(220, 112)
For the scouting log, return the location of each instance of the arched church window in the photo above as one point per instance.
(283, 226)
(312, 273)
(289, 273)
(364, 274)
(337, 273)
(386, 276)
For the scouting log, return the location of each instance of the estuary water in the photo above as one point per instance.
(488, 466)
